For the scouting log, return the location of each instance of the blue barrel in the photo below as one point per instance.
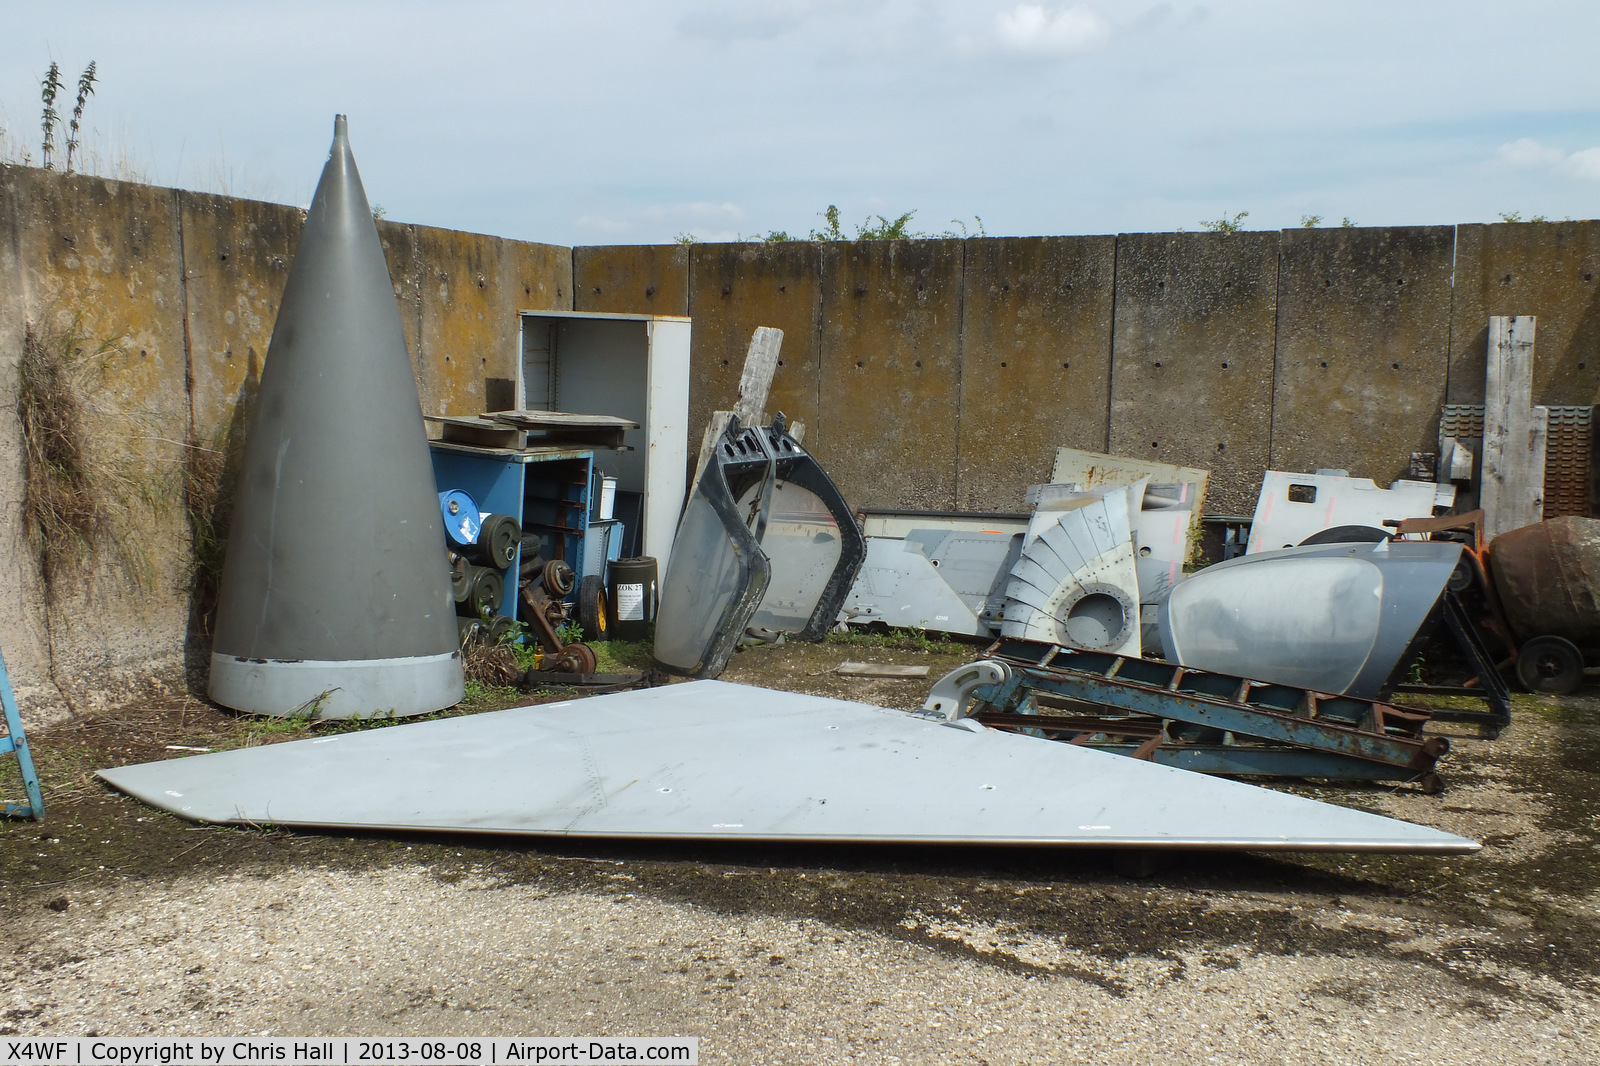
(461, 521)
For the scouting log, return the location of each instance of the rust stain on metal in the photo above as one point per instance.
(639, 279)
(1035, 337)
(890, 371)
(1192, 356)
(1547, 269)
(733, 289)
(1362, 348)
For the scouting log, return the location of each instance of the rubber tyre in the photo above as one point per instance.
(498, 540)
(1347, 535)
(593, 614)
(1550, 664)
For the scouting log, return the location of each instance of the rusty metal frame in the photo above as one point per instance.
(1203, 720)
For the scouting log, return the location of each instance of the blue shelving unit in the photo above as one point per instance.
(545, 489)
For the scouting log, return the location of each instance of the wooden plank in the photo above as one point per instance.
(562, 420)
(1512, 481)
(760, 363)
(479, 431)
(880, 670)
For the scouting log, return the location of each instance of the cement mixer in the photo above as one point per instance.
(1547, 578)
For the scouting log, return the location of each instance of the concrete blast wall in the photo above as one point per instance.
(944, 374)
(931, 374)
(159, 304)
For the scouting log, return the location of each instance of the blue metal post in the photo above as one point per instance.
(15, 741)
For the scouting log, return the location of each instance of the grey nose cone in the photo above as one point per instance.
(335, 598)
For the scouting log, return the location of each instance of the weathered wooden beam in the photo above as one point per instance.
(760, 364)
(1511, 488)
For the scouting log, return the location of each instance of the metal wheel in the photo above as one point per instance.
(592, 613)
(1550, 664)
(575, 659)
(558, 579)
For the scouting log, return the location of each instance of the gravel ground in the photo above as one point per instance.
(125, 922)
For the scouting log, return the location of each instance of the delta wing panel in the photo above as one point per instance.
(783, 767)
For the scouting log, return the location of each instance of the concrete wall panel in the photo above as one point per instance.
(24, 639)
(891, 371)
(1547, 269)
(1035, 361)
(469, 319)
(640, 279)
(1191, 379)
(735, 288)
(100, 279)
(236, 256)
(1363, 348)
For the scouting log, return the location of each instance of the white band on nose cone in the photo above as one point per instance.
(346, 688)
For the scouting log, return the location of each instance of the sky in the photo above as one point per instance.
(620, 122)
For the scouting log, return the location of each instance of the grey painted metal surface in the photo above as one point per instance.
(335, 597)
(1075, 582)
(710, 760)
(1338, 618)
(1293, 506)
(943, 579)
(766, 542)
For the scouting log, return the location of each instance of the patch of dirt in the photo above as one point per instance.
(1492, 926)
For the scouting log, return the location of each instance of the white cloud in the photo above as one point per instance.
(1583, 164)
(1044, 30)
(1529, 153)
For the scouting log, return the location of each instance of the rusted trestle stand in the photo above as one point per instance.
(1212, 723)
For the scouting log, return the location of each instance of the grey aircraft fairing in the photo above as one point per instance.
(335, 598)
(709, 760)
(1340, 618)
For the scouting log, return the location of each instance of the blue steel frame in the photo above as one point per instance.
(497, 478)
(16, 742)
(1288, 732)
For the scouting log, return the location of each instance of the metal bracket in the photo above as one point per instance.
(952, 694)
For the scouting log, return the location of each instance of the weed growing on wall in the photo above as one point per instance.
(74, 492)
(872, 228)
(49, 88)
(208, 507)
(1225, 224)
(85, 90)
